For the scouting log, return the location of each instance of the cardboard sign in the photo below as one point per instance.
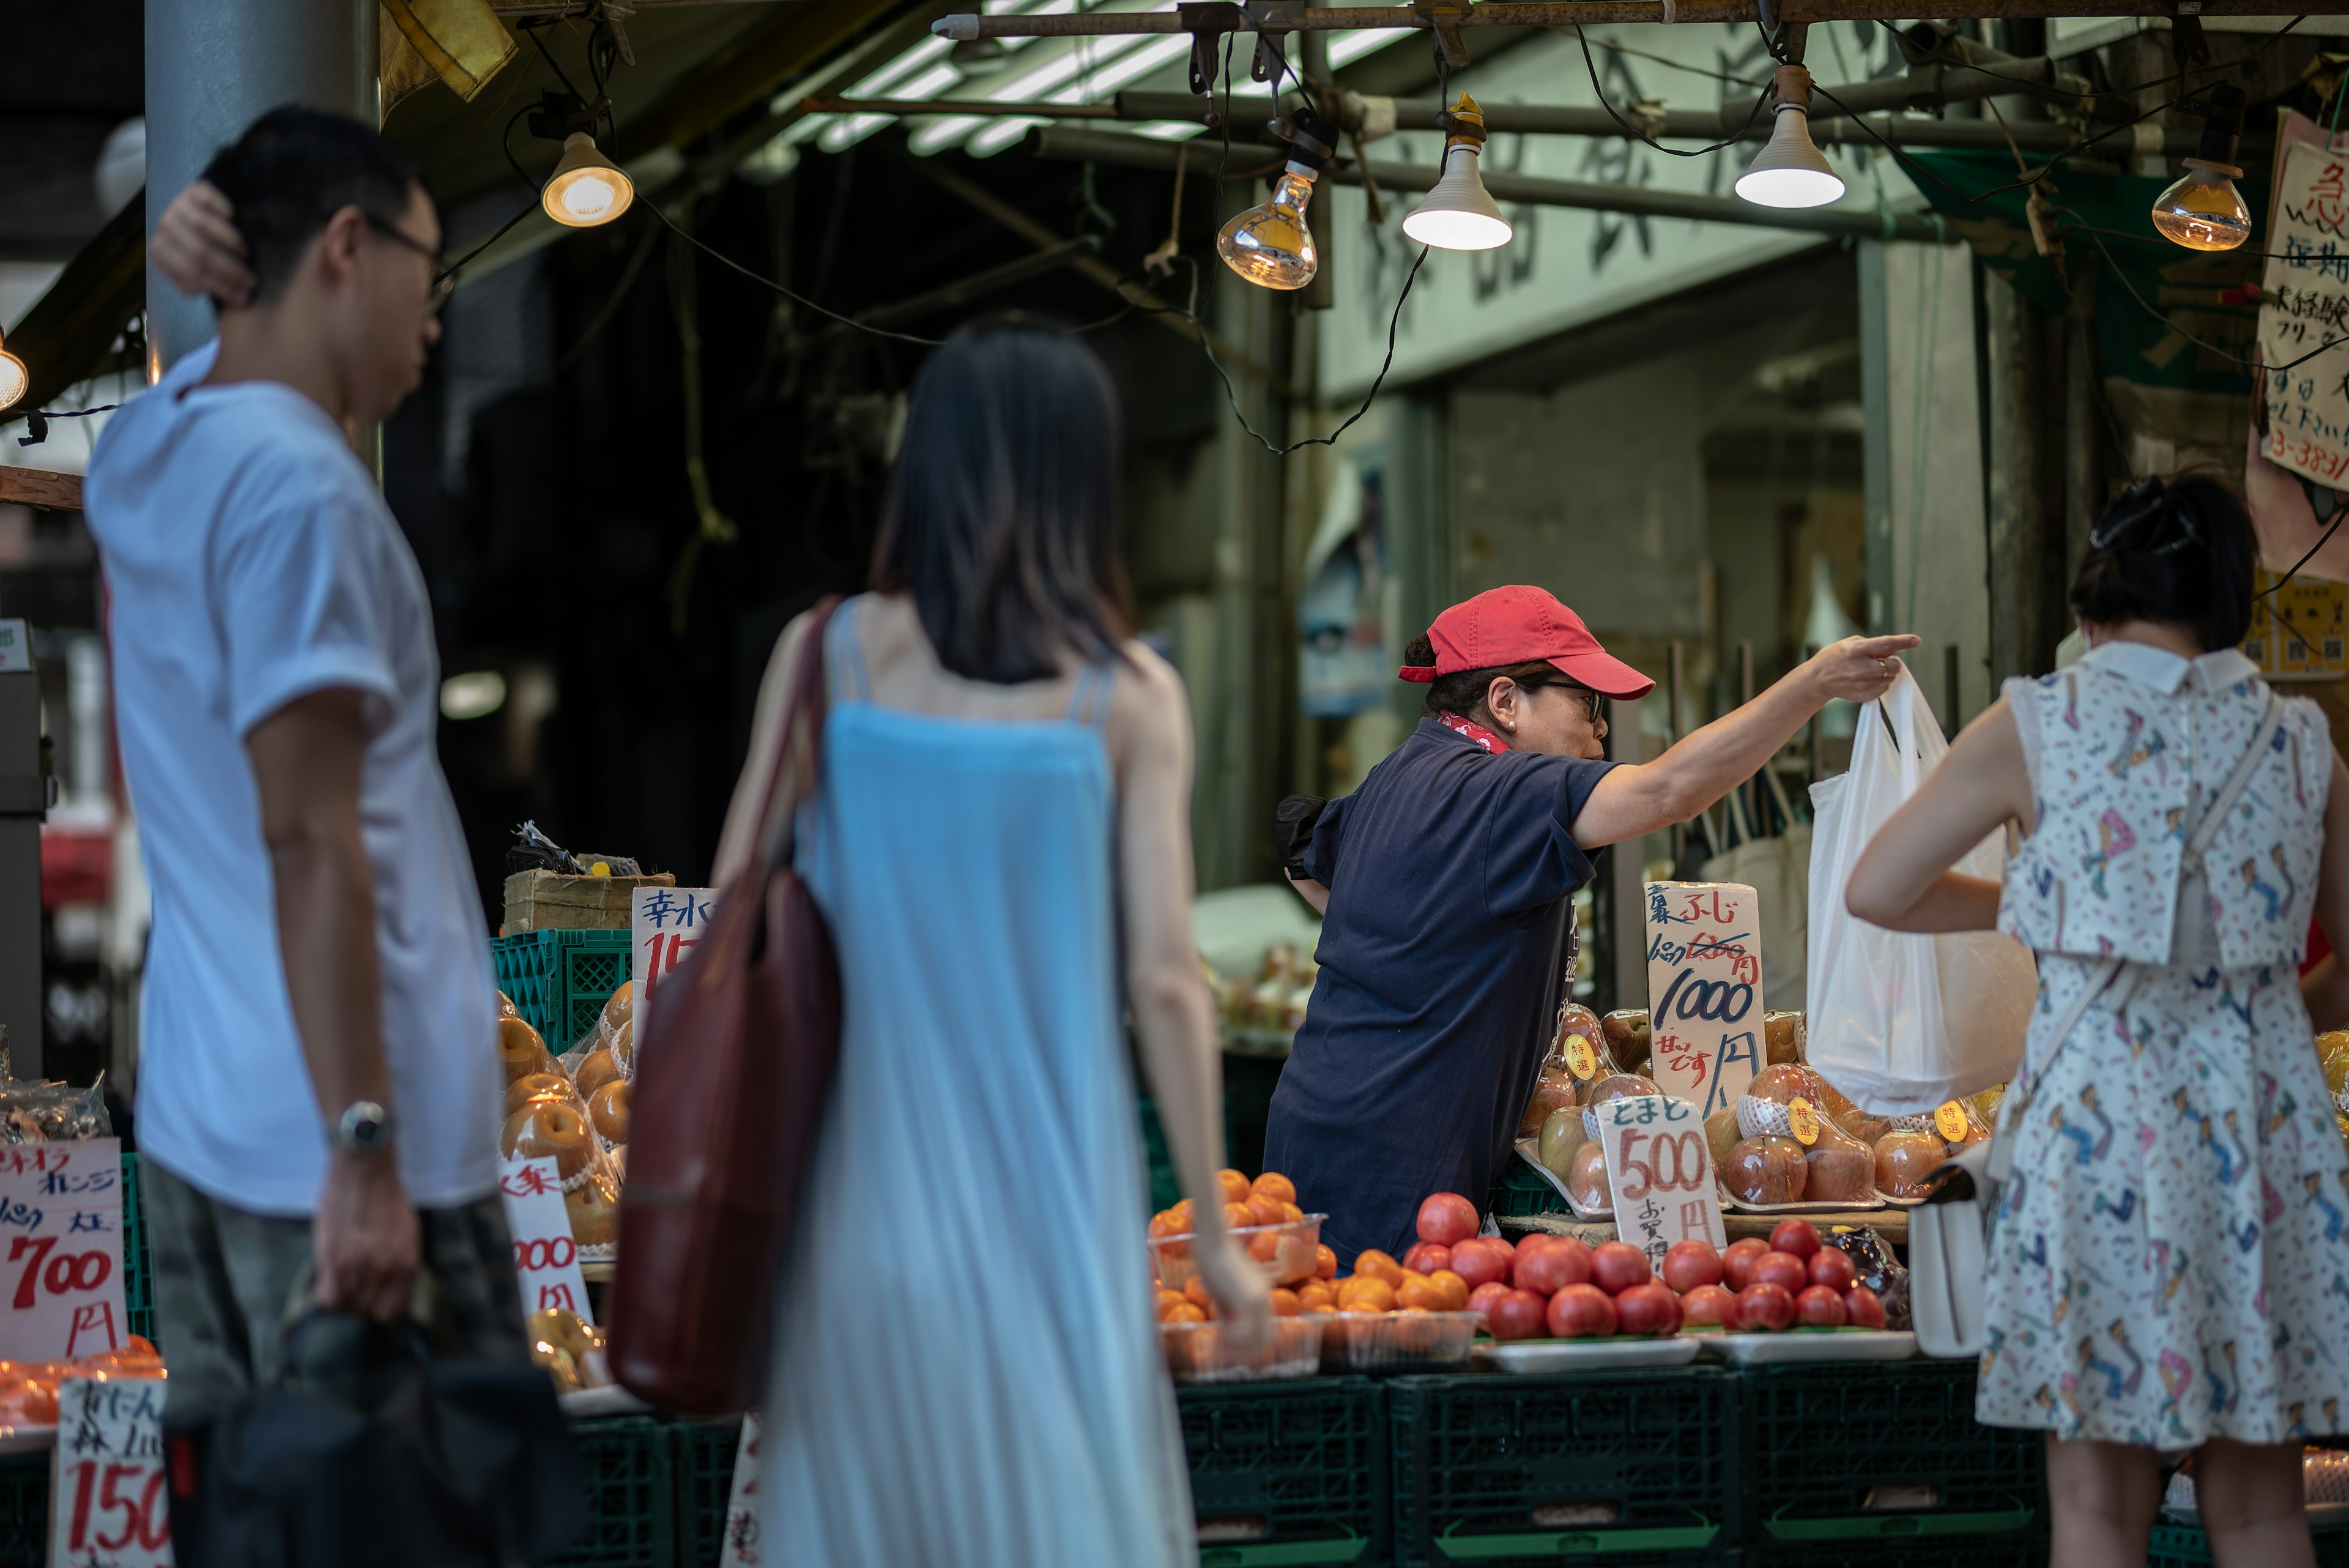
(1659, 1169)
(109, 1505)
(2304, 305)
(61, 1249)
(663, 925)
(2297, 627)
(741, 1547)
(1704, 990)
(546, 1262)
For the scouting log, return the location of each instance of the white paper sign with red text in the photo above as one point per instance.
(1659, 1171)
(61, 1249)
(665, 924)
(109, 1505)
(546, 1260)
(1704, 990)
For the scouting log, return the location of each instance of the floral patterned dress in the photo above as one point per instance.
(2170, 1262)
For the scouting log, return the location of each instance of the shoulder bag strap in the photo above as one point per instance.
(797, 741)
(2001, 1153)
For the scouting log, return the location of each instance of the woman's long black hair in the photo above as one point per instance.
(1001, 517)
(2179, 550)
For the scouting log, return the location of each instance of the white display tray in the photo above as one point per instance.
(1538, 1355)
(612, 1400)
(1791, 1346)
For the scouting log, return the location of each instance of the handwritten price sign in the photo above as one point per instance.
(1704, 990)
(1659, 1169)
(663, 925)
(109, 1507)
(2304, 305)
(546, 1262)
(60, 1249)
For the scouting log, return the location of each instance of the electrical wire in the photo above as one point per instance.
(1629, 130)
(790, 295)
(2340, 511)
(2308, 259)
(2199, 343)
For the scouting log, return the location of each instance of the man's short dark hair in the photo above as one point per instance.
(294, 168)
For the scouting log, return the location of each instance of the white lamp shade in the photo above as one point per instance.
(1459, 213)
(13, 378)
(586, 188)
(1790, 171)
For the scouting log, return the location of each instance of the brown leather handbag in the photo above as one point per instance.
(735, 1062)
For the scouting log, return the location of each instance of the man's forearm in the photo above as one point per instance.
(326, 933)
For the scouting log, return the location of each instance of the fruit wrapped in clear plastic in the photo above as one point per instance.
(1577, 1057)
(1561, 1136)
(521, 1049)
(539, 1086)
(1586, 1180)
(620, 1007)
(1766, 1171)
(1782, 1036)
(1904, 1158)
(607, 1109)
(1627, 1037)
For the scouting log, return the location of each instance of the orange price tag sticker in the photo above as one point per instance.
(1803, 1121)
(1582, 1058)
(1949, 1120)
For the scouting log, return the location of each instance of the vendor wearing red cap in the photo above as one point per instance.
(1446, 885)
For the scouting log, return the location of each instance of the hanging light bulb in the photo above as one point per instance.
(586, 188)
(1790, 171)
(1269, 245)
(14, 378)
(1460, 214)
(2203, 211)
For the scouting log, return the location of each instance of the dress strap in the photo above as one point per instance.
(845, 655)
(1089, 703)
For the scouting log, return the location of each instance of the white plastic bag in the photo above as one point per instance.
(1901, 1022)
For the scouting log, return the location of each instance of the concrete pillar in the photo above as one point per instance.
(213, 70)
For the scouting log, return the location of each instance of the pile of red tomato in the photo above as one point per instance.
(1573, 1291)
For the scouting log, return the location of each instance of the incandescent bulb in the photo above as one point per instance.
(13, 379)
(1459, 213)
(1269, 245)
(1790, 171)
(2204, 212)
(586, 188)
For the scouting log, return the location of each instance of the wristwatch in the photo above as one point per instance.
(364, 1128)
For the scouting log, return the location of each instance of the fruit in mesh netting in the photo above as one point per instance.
(1766, 1170)
(1554, 1089)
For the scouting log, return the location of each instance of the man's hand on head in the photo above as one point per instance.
(198, 248)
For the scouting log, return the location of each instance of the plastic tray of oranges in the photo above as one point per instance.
(1407, 1340)
(1198, 1351)
(1262, 1216)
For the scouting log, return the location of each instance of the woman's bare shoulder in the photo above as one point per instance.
(1151, 707)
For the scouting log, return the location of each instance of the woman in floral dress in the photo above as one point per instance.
(2169, 1270)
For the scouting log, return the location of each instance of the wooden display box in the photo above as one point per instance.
(547, 901)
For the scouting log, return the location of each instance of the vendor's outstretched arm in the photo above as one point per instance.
(1644, 797)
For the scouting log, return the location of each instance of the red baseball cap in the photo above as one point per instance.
(1518, 625)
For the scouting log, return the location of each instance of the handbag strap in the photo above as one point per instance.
(798, 738)
(2001, 1154)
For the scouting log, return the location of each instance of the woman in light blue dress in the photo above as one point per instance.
(966, 1366)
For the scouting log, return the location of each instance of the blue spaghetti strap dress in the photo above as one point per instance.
(965, 1365)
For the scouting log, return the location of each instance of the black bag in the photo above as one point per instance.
(372, 1452)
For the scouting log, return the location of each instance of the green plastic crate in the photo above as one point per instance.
(2026, 1551)
(559, 980)
(24, 1511)
(1625, 1469)
(704, 1456)
(1523, 1193)
(631, 1480)
(2186, 1546)
(1288, 1472)
(137, 1268)
(1839, 1455)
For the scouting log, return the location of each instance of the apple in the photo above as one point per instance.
(1550, 1268)
(1447, 1218)
(1737, 1262)
(1799, 1237)
(1831, 1266)
(1479, 1262)
(1481, 1298)
(1581, 1312)
(1426, 1257)
(1862, 1306)
(1762, 1307)
(1782, 1269)
(1616, 1266)
(1690, 1264)
(1820, 1306)
(1709, 1307)
(1515, 1315)
(1651, 1309)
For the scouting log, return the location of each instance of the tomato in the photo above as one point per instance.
(1781, 1269)
(1831, 1266)
(1378, 1266)
(1690, 1264)
(1325, 1264)
(1764, 1306)
(1274, 1186)
(1516, 1315)
(1549, 1269)
(1284, 1303)
(1819, 1306)
(1709, 1307)
(1799, 1237)
(1478, 1261)
(1581, 1312)
(1508, 1248)
(1426, 1257)
(1447, 1218)
(1737, 1262)
(1651, 1309)
(1454, 1289)
(1616, 1266)
(1481, 1298)
(1862, 1306)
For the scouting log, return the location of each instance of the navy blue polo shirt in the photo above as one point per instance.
(1450, 872)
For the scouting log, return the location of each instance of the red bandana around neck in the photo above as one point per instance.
(1476, 734)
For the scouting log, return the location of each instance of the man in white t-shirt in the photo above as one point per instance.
(318, 1079)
